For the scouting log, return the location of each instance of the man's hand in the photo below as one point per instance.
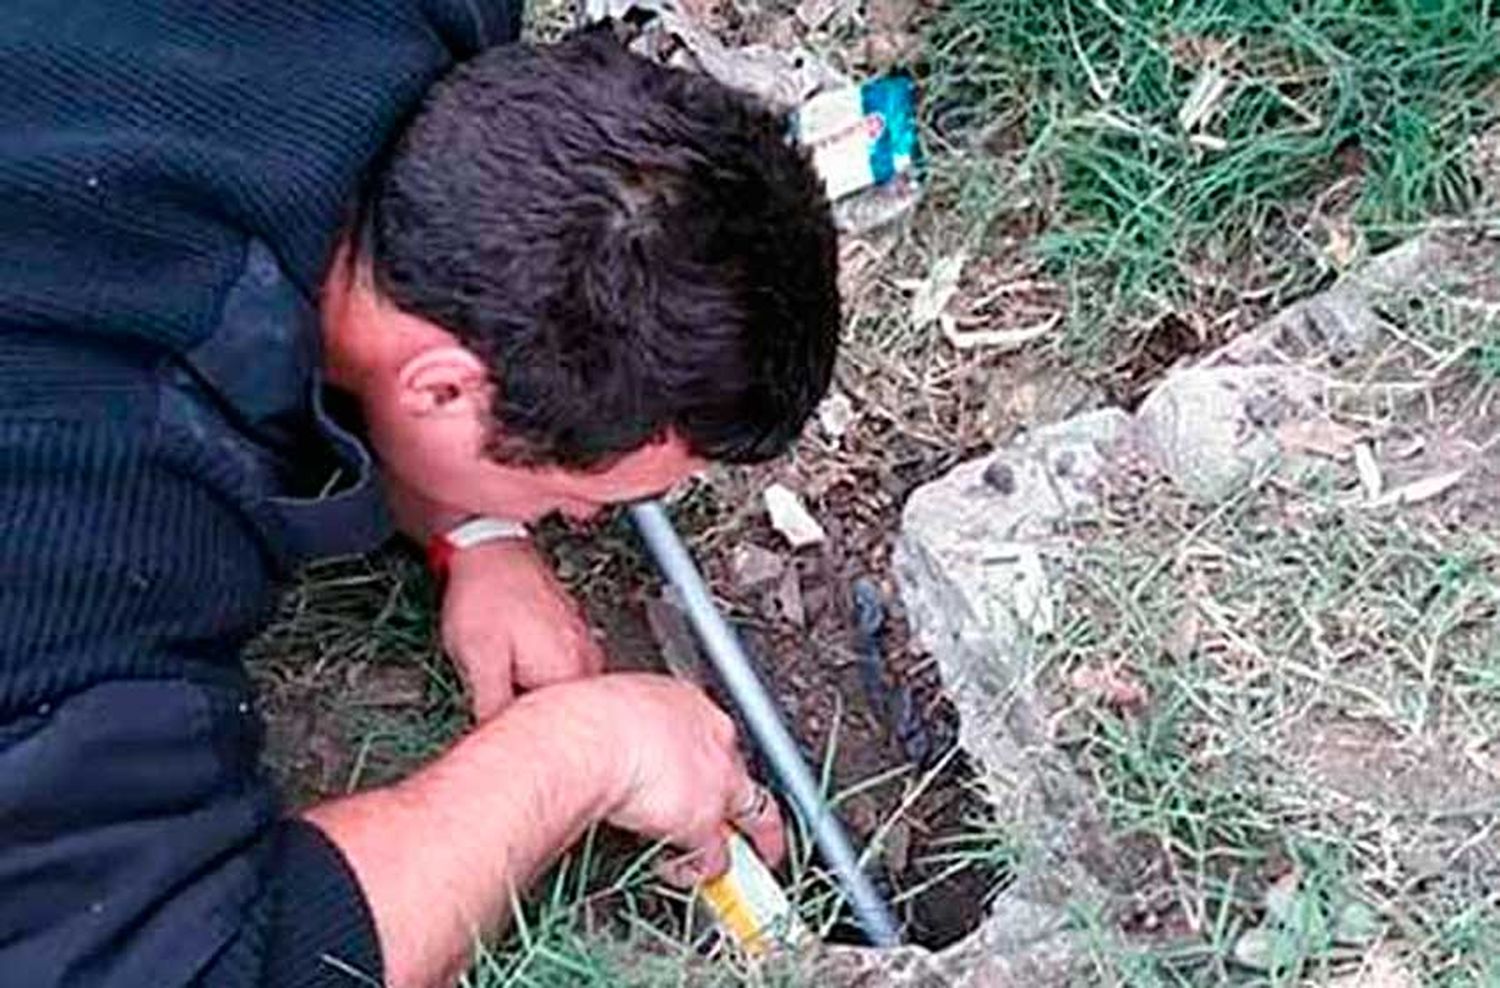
(443, 855)
(509, 625)
(677, 774)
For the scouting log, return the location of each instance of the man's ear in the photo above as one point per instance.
(443, 380)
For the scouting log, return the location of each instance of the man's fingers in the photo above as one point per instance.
(490, 689)
(757, 816)
(768, 834)
(705, 858)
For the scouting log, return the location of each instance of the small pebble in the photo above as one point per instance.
(1000, 477)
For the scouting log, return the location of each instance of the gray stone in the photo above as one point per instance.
(1337, 324)
(968, 964)
(970, 563)
(1210, 429)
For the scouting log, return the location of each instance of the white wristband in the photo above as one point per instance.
(477, 531)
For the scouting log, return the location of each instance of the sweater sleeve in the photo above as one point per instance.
(312, 927)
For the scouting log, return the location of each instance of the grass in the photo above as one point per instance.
(1199, 157)
(1314, 771)
(1227, 772)
(602, 919)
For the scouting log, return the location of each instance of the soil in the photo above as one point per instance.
(844, 704)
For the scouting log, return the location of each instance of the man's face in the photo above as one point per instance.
(427, 407)
(435, 449)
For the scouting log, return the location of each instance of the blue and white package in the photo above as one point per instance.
(861, 136)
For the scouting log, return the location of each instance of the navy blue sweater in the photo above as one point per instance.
(173, 177)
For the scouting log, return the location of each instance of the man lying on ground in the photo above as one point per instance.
(235, 237)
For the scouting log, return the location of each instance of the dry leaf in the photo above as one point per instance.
(1182, 638)
(1419, 490)
(1204, 98)
(1369, 471)
(1256, 948)
(790, 517)
(1116, 687)
(1379, 968)
(1321, 437)
(998, 339)
(1281, 896)
(1344, 244)
(932, 295)
(896, 847)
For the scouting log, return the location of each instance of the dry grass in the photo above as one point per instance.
(1292, 700)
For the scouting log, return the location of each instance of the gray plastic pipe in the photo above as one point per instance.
(764, 722)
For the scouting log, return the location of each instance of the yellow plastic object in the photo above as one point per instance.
(749, 904)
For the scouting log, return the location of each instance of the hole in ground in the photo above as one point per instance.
(870, 707)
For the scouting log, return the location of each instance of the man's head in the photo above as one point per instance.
(587, 274)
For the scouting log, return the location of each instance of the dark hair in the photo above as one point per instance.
(632, 249)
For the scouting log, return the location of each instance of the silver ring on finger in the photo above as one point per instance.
(754, 806)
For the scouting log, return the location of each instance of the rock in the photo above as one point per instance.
(1339, 323)
(835, 415)
(971, 963)
(1213, 428)
(752, 567)
(970, 564)
(789, 598)
(790, 517)
(674, 638)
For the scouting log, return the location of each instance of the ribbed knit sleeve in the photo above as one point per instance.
(310, 929)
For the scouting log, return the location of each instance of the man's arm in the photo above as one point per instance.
(442, 856)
